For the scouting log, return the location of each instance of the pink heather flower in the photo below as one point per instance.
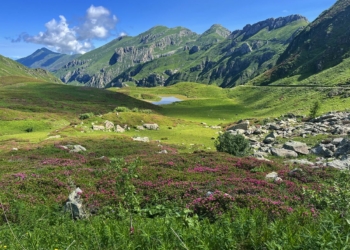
(22, 176)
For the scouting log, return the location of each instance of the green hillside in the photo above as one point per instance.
(11, 71)
(322, 45)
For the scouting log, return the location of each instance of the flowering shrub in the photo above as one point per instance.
(212, 206)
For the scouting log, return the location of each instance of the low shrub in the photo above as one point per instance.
(122, 109)
(236, 145)
(86, 116)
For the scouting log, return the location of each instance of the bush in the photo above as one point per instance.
(122, 109)
(28, 130)
(146, 111)
(236, 145)
(315, 108)
(86, 116)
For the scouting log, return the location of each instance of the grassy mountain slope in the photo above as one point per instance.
(322, 45)
(225, 61)
(11, 72)
(98, 67)
(46, 59)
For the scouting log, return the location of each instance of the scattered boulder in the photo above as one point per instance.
(76, 148)
(295, 171)
(53, 137)
(270, 138)
(143, 139)
(281, 152)
(151, 126)
(322, 151)
(119, 129)
(337, 141)
(109, 125)
(74, 204)
(241, 125)
(271, 176)
(209, 193)
(301, 162)
(278, 180)
(340, 164)
(98, 127)
(140, 128)
(299, 147)
(343, 148)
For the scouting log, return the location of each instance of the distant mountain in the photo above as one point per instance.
(98, 67)
(12, 71)
(219, 57)
(47, 59)
(322, 45)
(163, 56)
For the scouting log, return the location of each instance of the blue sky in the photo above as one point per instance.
(72, 26)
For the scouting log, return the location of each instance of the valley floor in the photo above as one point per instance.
(173, 192)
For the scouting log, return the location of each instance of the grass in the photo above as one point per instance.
(214, 105)
(171, 210)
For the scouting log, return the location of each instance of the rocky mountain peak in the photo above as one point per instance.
(218, 29)
(271, 24)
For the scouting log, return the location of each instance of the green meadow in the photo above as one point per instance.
(137, 197)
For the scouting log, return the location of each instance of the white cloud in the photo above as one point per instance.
(97, 24)
(122, 34)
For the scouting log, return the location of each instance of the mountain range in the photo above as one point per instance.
(286, 50)
(47, 59)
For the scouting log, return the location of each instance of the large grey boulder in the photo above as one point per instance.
(340, 164)
(270, 138)
(337, 141)
(151, 126)
(109, 125)
(281, 152)
(119, 129)
(322, 151)
(241, 125)
(74, 204)
(299, 147)
(271, 176)
(343, 148)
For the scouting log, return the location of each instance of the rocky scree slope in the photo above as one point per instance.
(334, 151)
